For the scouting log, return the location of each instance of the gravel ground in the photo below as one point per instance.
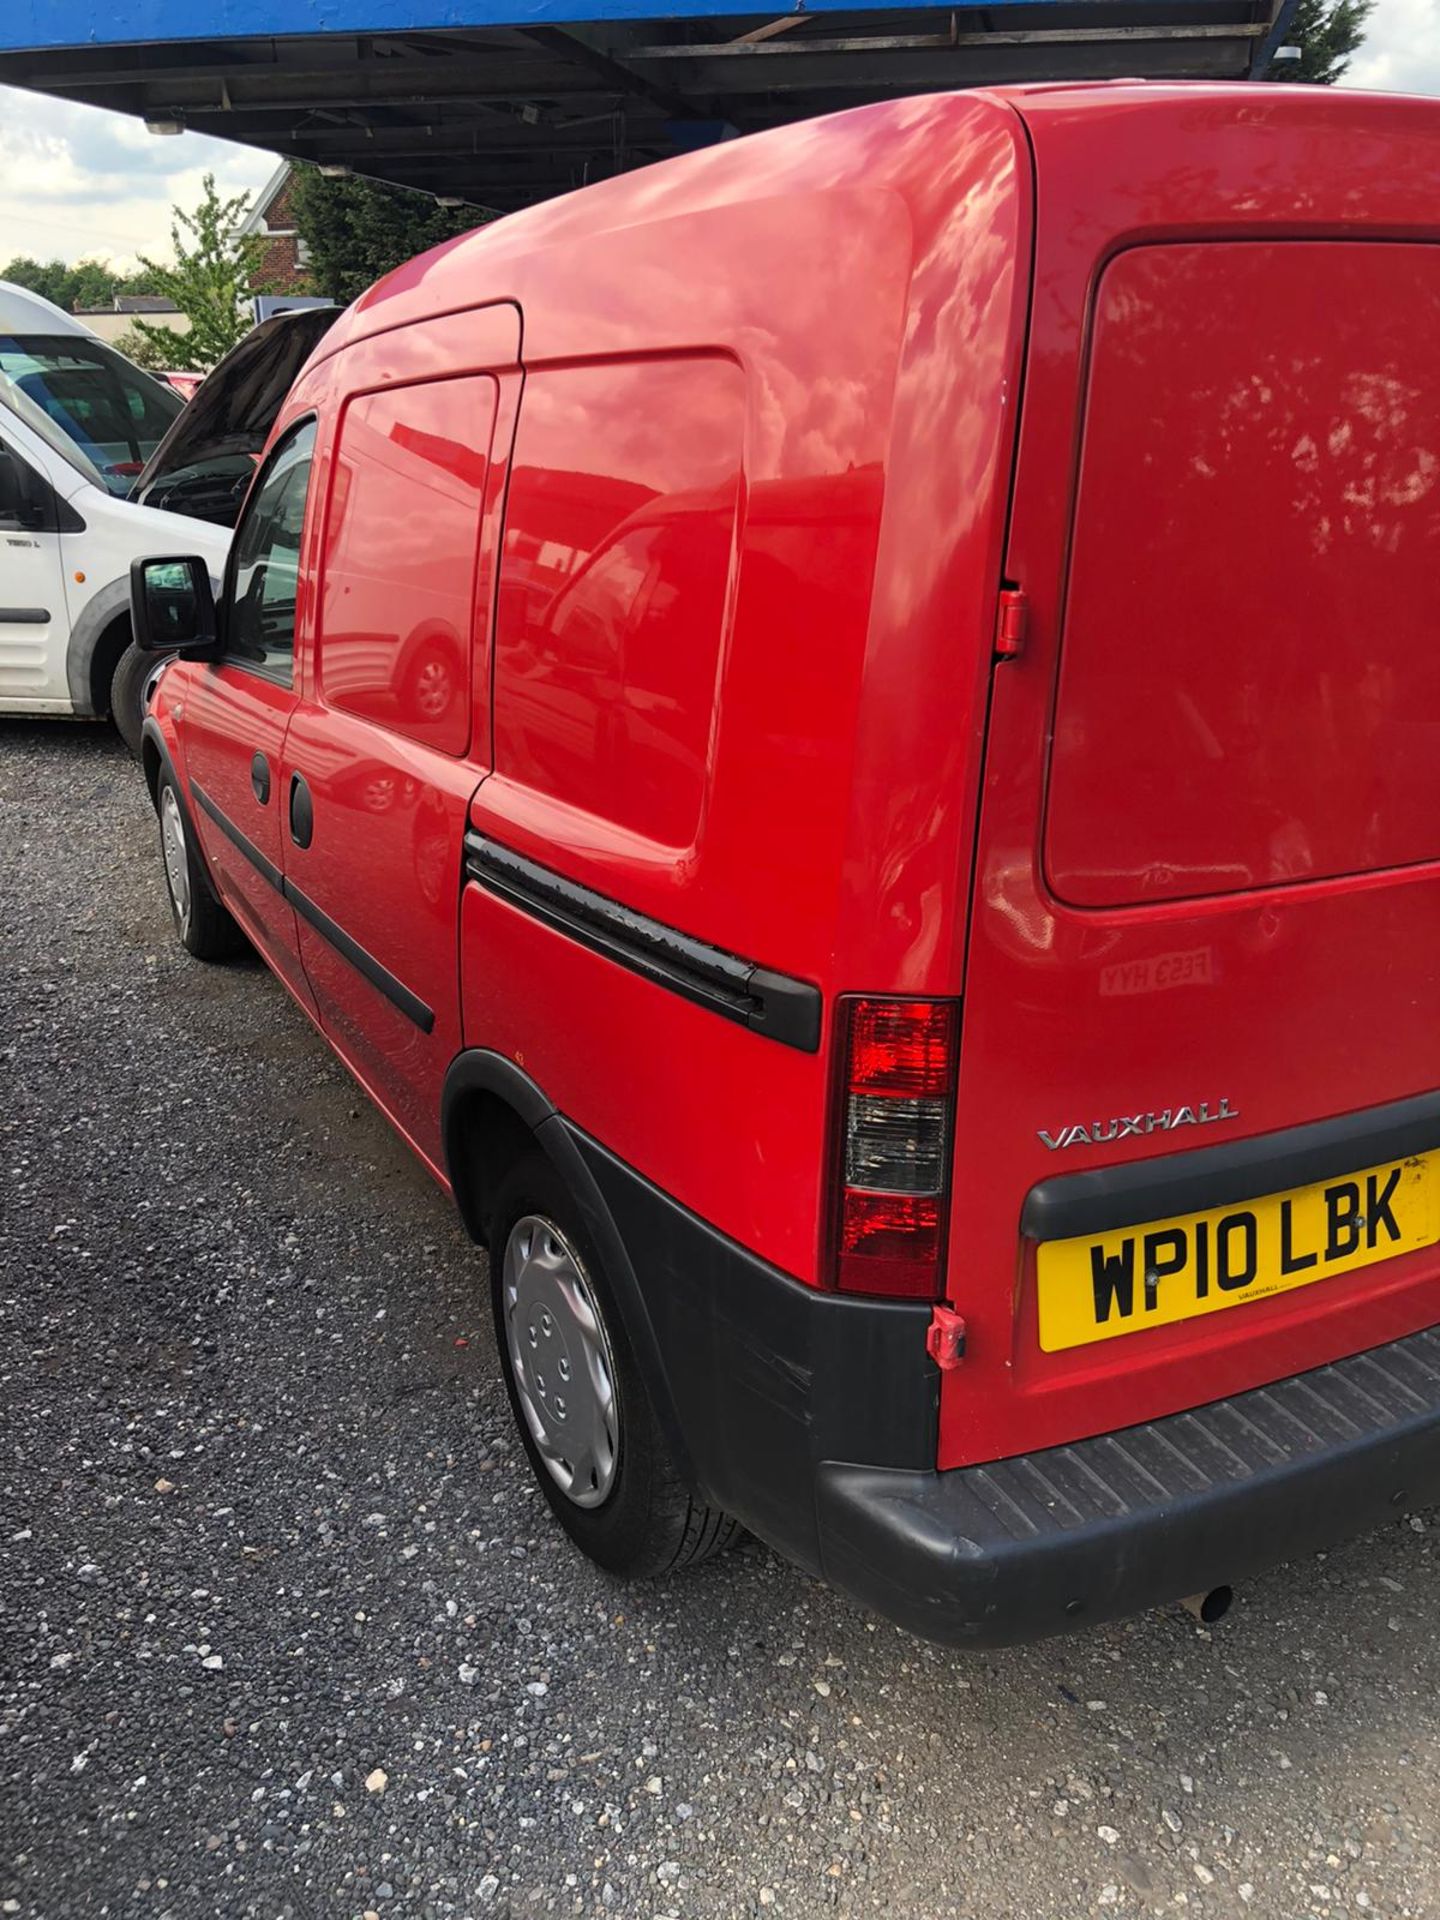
(285, 1631)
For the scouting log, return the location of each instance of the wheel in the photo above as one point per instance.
(585, 1417)
(204, 926)
(127, 689)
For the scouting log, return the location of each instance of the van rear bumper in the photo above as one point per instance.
(987, 1556)
(813, 1417)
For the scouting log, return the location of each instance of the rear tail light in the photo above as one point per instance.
(897, 1099)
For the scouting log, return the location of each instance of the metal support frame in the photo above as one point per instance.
(502, 112)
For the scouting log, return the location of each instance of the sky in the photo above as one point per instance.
(97, 185)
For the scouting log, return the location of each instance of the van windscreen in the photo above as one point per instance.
(87, 399)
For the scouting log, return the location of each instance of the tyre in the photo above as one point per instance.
(204, 926)
(127, 688)
(584, 1414)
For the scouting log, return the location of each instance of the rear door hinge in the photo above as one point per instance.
(945, 1338)
(1012, 622)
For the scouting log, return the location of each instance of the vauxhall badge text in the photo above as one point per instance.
(1123, 1125)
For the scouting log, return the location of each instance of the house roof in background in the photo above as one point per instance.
(135, 303)
(255, 220)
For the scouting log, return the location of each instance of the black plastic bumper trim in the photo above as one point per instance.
(768, 1376)
(1104, 1199)
(363, 961)
(766, 1002)
(991, 1555)
(813, 1417)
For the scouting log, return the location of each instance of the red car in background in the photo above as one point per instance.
(185, 384)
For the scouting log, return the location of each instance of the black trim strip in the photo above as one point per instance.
(769, 1003)
(1107, 1198)
(364, 962)
(24, 616)
(266, 869)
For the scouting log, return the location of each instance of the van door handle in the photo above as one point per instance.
(260, 779)
(302, 811)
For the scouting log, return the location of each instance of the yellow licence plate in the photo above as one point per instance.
(1099, 1286)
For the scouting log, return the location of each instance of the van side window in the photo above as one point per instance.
(619, 547)
(27, 500)
(265, 564)
(401, 540)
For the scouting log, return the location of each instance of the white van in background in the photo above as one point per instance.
(78, 422)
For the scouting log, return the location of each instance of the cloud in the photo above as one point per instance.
(1401, 50)
(96, 184)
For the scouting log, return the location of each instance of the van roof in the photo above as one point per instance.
(894, 145)
(22, 311)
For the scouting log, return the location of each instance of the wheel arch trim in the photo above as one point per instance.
(103, 610)
(479, 1073)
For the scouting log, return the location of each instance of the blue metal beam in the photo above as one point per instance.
(41, 25)
(1279, 26)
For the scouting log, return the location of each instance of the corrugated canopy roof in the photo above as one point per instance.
(501, 114)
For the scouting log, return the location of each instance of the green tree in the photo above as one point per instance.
(215, 272)
(45, 277)
(89, 283)
(156, 349)
(356, 230)
(1327, 33)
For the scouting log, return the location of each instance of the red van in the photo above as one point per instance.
(843, 733)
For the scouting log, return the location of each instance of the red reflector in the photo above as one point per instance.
(889, 1242)
(901, 1047)
(896, 1099)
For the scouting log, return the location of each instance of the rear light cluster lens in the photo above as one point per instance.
(898, 1098)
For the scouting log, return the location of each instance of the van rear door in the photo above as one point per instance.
(1250, 676)
(1207, 899)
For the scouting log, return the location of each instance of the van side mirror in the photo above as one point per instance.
(172, 608)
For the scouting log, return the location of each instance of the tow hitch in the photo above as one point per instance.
(945, 1338)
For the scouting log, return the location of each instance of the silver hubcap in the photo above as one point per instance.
(172, 842)
(560, 1356)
